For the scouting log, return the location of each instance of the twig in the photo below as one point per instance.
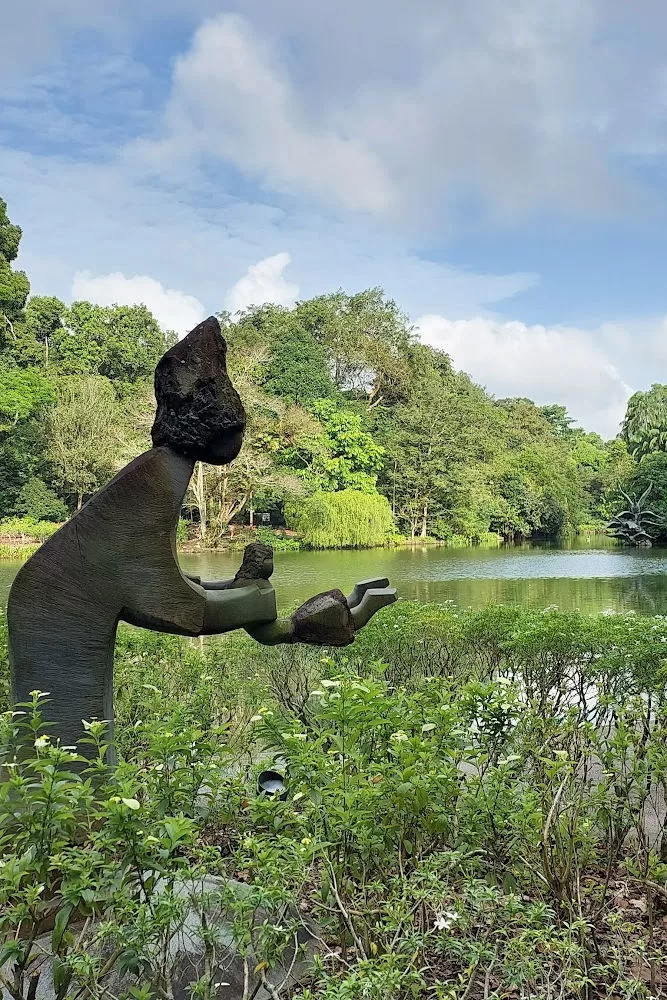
(10, 989)
(286, 980)
(345, 915)
(271, 990)
(660, 889)
(246, 976)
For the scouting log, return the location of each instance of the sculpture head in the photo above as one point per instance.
(199, 412)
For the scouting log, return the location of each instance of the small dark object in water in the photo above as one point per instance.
(270, 782)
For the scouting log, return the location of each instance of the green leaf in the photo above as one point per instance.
(60, 926)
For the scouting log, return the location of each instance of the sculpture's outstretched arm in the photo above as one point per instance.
(254, 605)
(207, 612)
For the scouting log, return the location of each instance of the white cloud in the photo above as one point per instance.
(172, 309)
(401, 112)
(232, 99)
(386, 106)
(263, 282)
(546, 364)
(101, 218)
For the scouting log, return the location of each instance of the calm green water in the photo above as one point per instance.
(590, 574)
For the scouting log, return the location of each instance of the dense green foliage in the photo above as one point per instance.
(36, 500)
(340, 396)
(14, 285)
(345, 519)
(645, 424)
(445, 825)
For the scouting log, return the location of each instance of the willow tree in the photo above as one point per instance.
(348, 519)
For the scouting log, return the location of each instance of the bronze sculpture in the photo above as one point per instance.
(116, 560)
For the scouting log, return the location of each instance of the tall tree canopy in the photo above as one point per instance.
(645, 424)
(14, 285)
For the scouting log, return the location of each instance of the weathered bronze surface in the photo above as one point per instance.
(116, 560)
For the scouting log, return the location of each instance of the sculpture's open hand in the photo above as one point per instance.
(330, 619)
(373, 599)
(360, 589)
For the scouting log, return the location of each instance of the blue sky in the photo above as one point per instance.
(499, 168)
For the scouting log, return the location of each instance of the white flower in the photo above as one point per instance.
(330, 684)
(42, 741)
(399, 737)
(444, 920)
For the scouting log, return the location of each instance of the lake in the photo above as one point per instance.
(592, 574)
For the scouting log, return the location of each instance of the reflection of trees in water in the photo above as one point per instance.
(644, 594)
(647, 594)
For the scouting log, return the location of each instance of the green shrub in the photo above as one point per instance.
(466, 803)
(24, 528)
(17, 553)
(278, 541)
(37, 501)
(343, 520)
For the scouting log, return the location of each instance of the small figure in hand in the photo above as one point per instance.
(257, 565)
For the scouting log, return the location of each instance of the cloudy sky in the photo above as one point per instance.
(499, 168)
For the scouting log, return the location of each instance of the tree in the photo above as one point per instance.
(120, 343)
(222, 493)
(343, 520)
(539, 490)
(560, 420)
(446, 425)
(366, 340)
(14, 285)
(44, 317)
(85, 434)
(601, 467)
(23, 392)
(37, 500)
(644, 427)
(524, 423)
(341, 456)
(22, 455)
(290, 363)
(233, 488)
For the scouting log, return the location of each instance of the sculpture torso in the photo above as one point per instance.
(115, 559)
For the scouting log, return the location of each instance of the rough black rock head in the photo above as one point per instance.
(324, 620)
(199, 412)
